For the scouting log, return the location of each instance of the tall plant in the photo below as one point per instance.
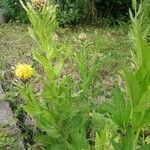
(131, 113)
(60, 109)
(14, 11)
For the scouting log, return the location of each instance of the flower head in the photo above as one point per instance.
(23, 71)
(39, 4)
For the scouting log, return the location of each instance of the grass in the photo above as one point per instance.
(111, 43)
(16, 45)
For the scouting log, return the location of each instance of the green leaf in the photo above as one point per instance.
(117, 146)
(119, 109)
(47, 124)
(41, 59)
(134, 88)
(128, 140)
(58, 68)
(146, 117)
(141, 74)
(79, 141)
(44, 139)
(100, 122)
(77, 122)
(97, 142)
(30, 101)
(53, 146)
(146, 147)
(32, 34)
(144, 102)
(102, 141)
(145, 54)
(142, 47)
(49, 70)
(48, 142)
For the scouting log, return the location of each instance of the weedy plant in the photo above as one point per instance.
(62, 109)
(130, 111)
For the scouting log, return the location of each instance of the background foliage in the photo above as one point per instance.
(146, 17)
(14, 11)
(74, 11)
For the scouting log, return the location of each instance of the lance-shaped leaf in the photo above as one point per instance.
(133, 86)
(119, 109)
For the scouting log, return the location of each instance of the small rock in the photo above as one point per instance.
(56, 37)
(82, 37)
(8, 125)
(5, 113)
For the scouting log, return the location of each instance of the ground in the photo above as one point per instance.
(16, 45)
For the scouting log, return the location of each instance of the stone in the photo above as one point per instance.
(2, 18)
(6, 115)
(8, 126)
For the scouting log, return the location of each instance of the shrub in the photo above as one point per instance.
(0, 3)
(14, 11)
(75, 11)
(116, 9)
(71, 12)
(81, 11)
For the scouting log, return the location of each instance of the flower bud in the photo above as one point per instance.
(39, 4)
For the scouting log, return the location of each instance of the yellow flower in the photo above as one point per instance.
(23, 71)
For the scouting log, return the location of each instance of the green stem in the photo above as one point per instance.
(136, 139)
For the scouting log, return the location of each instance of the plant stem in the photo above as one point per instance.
(136, 139)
